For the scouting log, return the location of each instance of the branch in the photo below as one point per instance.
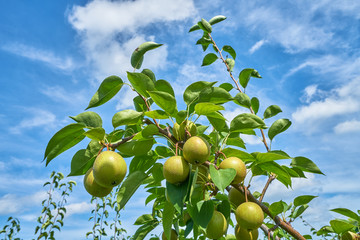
(271, 178)
(268, 231)
(124, 140)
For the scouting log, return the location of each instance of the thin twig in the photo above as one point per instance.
(270, 179)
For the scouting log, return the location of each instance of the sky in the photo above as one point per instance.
(54, 55)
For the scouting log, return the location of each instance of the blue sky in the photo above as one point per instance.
(54, 54)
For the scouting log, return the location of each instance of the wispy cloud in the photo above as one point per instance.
(347, 126)
(41, 55)
(257, 46)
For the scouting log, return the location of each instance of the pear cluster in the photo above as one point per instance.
(108, 171)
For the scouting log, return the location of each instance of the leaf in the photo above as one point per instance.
(167, 219)
(89, 119)
(246, 121)
(149, 73)
(129, 186)
(145, 229)
(225, 208)
(230, 50)
(246, 74)
(202, 212)
(340, 226)
(97, 134)
(244, 156)
(215, 95)
(209, 59)
(164, 100)
(64, 139)
(164, 86)
(80, 163)
(207, 108)
(276, 208)
(273, 167)
(305, 164)
(230, 63)
(142, 163)
(143, 219)
(298, 211)
(206, 25)
(236, 142)
(272, 111)
(270, 156)
(109, 87)
(255, 104)
(141, 83)
(227, 86)
(192, 92)
(140, 105)
(126, 117)
(217, 19)
(222, 177)
(217, 123)
(157, 114)
(243, 100)
(137, 56)
(177, 194)
(278, 126)
(304, 199)
(346, 212)
(136, 147)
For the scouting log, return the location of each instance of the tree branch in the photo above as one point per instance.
(270, 179)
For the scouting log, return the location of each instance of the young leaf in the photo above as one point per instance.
(164, 86)
(244, 156)
(272, 167)
(149, 73)
(243, 100)
(305, 165)
(207, 108)
(206, 25)
(140, 105)
(164, 100)
(157, 114)
(215, 95)
(192, 92)
(129, 186)
(304, 199)
(218, 123)
(97, 134)
(137, 56)
(201, 212)
(89, 119)
(126, 117)
(298, 211)
(230, 63)
(222, 177)
(255, 104)
(276, 208)
(168, 215)
(177, 194)
(209, 59)
(227, 86)
(230, 50)
(246, 74)
(141, 83)
(145, 229)
(278, 126)
(217, 19)
(107, 90)
(136, 147)
(339, 226)
(142, 163)
(270, 156)
(144, 219)
(238, 142)
(81, 162)
(346, 212)
(272, 111)
(64, 139)
(246, 121)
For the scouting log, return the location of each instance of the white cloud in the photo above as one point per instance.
(59, 94)
(38, 118)
(257, 46)
(347, 126)
(76, 208)
(12, 203)
(40, 55)
(105, 28)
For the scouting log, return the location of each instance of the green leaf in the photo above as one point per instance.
(209, 59)
(89, 119)
(346, 212)
(194, 28)
(149, 73)
(225, 208)
(304, 199)
(142, 163)
(129, 186)
(278, 126)
(255, 104)
(164, 100)
(157, 114)
(272, 111)
(141, 83)
(64, 139)
(206, 108)
(227, 86)
(246, 121)
(230, 63)
(97, 134)
(230, 50)
(244, 156)
(273, 167)
(126, 117)
(246, 74)
(143, 219)
(215, 95)
(298, 211)
(217, 123)
(192, 92)
(109, 87)
(136, 147)
(270, 156)
(81, 162)
(164, 86)
(206, 25)
(177, 194)
(243, 100)
(137, 56)
(222, 177)
(276, 208)
(217, 19)
(236, 142)
(140, 105)
(340, 226)
(167, 219)
(202, 212)
(144, 230)
(305, 165)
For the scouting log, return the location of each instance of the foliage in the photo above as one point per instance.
(139, 136)
(11, 229)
